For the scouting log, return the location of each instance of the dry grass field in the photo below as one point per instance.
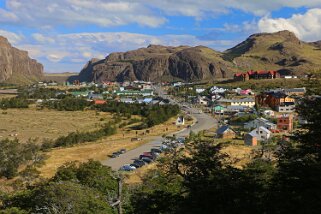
(2, 96)
(32, 123)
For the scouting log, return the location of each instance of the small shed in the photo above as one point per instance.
(225, 132)
(180, 121)
(250, 139)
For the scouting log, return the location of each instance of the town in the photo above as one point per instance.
(160, 107)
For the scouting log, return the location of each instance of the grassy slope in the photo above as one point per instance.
(251, 53)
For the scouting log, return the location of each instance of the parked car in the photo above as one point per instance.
(127, 167)
(135, 165)
(153, 150)
(139, 163)
(122, 151)
(148, 154)
(147, 160)
(115, 155)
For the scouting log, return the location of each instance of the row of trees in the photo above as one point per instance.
(14, 102)
(153, 114)
(38, 93)
(75, 138)
(68, 104)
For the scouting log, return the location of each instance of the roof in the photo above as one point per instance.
(236, 107)
(264, 129)
(223, 129)
(236, 100)
(279, 95)
(303, 90)
(254, 134)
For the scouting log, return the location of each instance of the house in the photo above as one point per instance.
(126, 100)
(80, 93)
(217, 90)
(177, 84)
(100, 102)
(268, 113)
(93, 96)
(225, 132)
(260, 122)
(256, 75)
(285, 122)
(203, 101)
(218, 109)
(143, 92)
(289, 77)
(200, 90)
(180, 121)
(243, 92)
(295, 91)
(286, 108)
(274, 99)
(230, 110)
(256, 135)
(247, 102)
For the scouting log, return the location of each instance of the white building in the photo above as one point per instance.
(180, 121)
(248, 102)
(260, 122)
(262, 133)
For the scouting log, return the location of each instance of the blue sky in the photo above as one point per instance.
(64, 34)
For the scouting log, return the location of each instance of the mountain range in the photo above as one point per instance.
(16, 66)
(281, 51)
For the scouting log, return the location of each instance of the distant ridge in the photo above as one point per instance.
(281, 51)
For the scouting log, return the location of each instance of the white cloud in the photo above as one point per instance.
(42, 39)
(78, 12)
(12, 37)
(66, 51)
(306, 26)
(151, 13)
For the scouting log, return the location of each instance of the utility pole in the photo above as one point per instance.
(118, 201)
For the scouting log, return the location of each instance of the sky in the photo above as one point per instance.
(64, 34)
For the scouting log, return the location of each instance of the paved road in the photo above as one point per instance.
(204, 122)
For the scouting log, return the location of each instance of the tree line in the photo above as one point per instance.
(75, 138)
(13, 102)
(153, 114)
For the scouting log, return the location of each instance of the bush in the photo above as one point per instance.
(14, 103)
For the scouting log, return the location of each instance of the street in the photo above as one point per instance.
(203, 122)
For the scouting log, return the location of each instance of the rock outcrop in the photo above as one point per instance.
(15, 64)
(158, 63)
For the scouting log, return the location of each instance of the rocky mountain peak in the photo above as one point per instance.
(16, 65)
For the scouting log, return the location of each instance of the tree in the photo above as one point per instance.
(76, 188)
(13, 154)
(299, 166)
(201, 178)
(62, 197)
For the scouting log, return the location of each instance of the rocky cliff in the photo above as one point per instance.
(15, 64)
(281, 51)
(159, 63)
